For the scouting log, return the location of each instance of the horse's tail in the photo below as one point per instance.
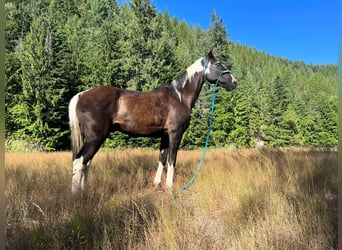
(76, 133)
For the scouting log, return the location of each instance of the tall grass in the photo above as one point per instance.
(248, 199)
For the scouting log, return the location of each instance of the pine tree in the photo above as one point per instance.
(38, 115)
(223, 118)
(219, 39)
(239, 134)
(279, 133)
(321, 124)
(256, 106)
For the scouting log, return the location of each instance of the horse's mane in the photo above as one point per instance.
(178, 81)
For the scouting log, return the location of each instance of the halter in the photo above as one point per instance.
(222, 72)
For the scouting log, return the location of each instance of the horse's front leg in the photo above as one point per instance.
(164, 149)
(173, 149)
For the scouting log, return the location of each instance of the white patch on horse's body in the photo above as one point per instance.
(169, 176)
(85, 91)
(157, 178)
(193, 69)
(174, 85)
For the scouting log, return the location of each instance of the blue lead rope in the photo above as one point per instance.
(186, 185)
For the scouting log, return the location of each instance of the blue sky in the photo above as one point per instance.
(305, 30)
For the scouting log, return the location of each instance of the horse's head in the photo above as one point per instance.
(216, 73)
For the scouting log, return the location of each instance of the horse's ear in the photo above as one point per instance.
(211, 54)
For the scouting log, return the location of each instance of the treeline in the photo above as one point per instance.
(56, 48)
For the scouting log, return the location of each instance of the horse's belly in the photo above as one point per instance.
(141, 129)
(140, 124)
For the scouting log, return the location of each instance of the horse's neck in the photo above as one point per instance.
(195, 88)
(189, 88)
(189, 85)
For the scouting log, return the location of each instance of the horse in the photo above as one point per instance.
(163, 112)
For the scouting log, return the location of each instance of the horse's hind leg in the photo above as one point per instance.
(164, 149)
(80, 170)
(82, 162)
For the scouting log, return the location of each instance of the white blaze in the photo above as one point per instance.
(233, 78)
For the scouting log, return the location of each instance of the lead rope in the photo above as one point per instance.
(186, 185)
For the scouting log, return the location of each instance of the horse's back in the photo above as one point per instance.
(100, 93)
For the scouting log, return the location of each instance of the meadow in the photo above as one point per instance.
(246, 199)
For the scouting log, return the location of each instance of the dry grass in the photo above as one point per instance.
(241, 200)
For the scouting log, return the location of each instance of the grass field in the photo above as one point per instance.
(248, 199)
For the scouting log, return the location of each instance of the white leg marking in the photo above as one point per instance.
(157, 178)
(77, 174)
(169, 176)
(84, 178)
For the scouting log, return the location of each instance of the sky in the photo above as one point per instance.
(304, 30)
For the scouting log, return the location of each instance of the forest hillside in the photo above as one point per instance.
(55, 49)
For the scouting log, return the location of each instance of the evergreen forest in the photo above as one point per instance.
(57, 48)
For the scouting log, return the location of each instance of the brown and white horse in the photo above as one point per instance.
(163, 112)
